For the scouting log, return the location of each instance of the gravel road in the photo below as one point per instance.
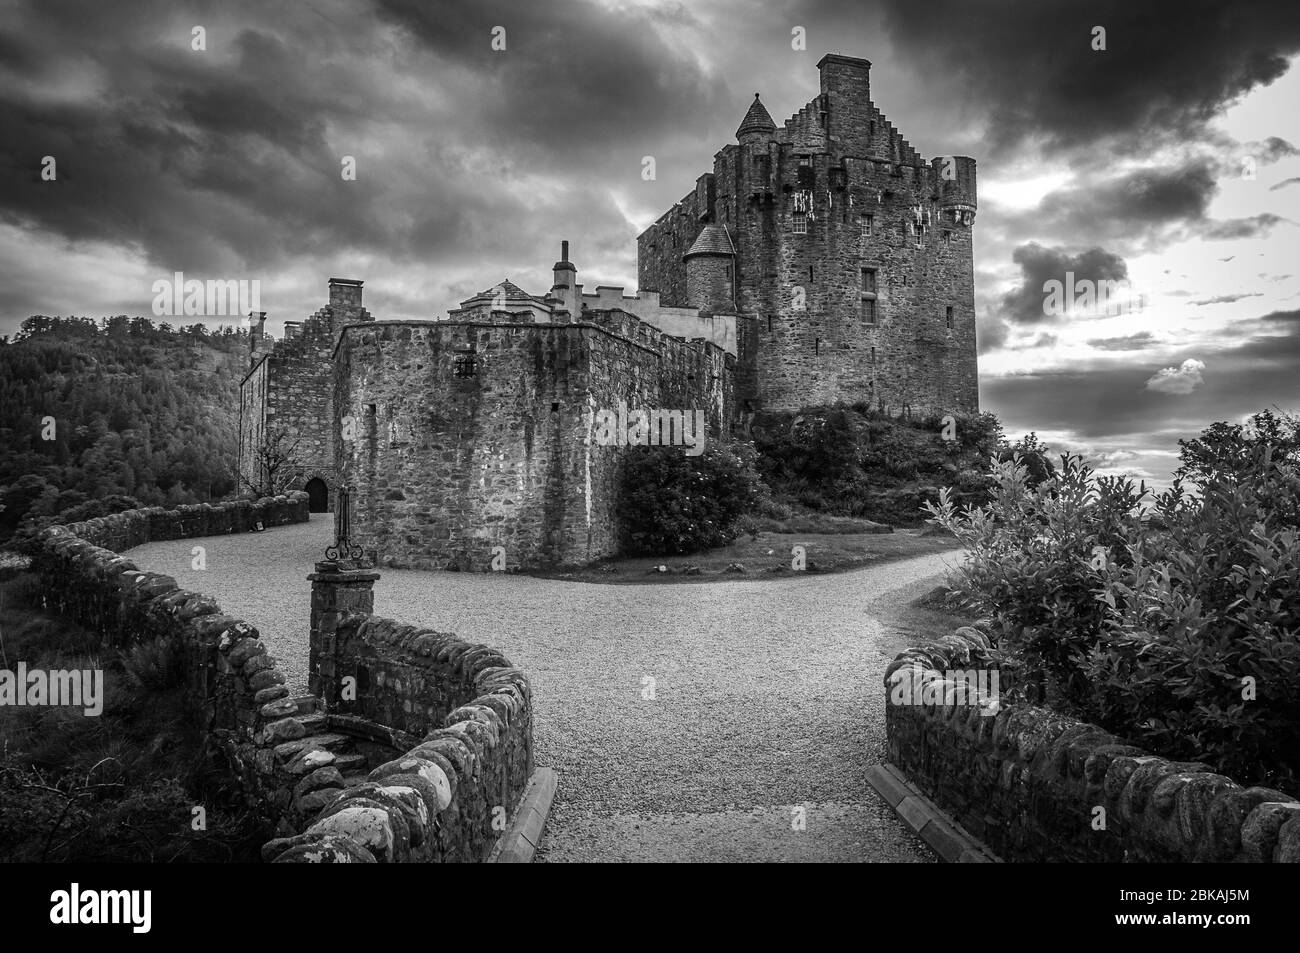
(686, 722)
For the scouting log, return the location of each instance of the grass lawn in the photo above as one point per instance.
(118, 786)
(831, 544)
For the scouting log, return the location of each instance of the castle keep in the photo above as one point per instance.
(823, 261)
(853, 251)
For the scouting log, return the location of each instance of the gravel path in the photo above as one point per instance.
(766, 694)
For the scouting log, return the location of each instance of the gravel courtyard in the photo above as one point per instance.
(766, 693)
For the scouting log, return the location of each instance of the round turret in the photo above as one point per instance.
(757, 123)
(710, 270)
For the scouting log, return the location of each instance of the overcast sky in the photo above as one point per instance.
(472, 164)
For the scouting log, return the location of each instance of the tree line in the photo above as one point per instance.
(98, 416)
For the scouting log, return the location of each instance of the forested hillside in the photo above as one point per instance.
(142, 415)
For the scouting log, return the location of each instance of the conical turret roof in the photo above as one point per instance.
(713, 240)
(756, 120)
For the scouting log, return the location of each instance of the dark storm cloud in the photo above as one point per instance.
(1107, 403)
(1241, 227)
(228, 160)
(1167, 68)
(1137, 211)
(1024, 305)
(568, 66)
(1146, 196)
(1272, 149)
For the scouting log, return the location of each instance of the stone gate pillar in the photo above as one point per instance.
(335, 594)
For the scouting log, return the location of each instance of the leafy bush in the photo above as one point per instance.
(1173, 620)
(671, 503)
(851, 461)
(154, 666)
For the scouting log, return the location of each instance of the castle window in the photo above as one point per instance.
(805, 161)
(370, 410)
(869, 310)
(949, 317)
(810, 272)
(872, 128)
(868, 225)
(799, 223)
(869, 281)
(873, 357)
(947, 237)
(555, 407)
(465, 366)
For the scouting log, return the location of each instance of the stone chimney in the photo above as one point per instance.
(565, 288)
(257, 340)
(345, 294)
(564, 270)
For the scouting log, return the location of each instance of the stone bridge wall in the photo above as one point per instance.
(1029, 781)
(448, 797)
(460, 712)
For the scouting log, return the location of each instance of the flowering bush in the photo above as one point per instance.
(1173, 619)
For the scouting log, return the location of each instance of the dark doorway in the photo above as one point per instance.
(318, 496)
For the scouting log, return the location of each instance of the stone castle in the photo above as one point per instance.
(819, 262)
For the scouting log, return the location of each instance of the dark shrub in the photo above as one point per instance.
(671, 503)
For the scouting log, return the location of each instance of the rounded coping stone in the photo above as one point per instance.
(423, 767)
(380, 828)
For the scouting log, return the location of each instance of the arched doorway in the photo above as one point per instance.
(318, 495)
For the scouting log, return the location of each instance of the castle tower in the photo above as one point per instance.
(852, 250)
(710, 270)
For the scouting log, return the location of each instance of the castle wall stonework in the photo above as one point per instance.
(290, 388)
(819, 262)
(473, 436)
(831, 211)
(419, 766)
(1037, 786)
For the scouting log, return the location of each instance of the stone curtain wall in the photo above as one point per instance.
(466, 712)
(122, 531)
(1028, 781)
(469, 436)
(230, 676)
(291, 391)
(448, 797)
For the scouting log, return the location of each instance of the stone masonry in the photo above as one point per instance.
(854, 252)
(289, 387)
(820, 262)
